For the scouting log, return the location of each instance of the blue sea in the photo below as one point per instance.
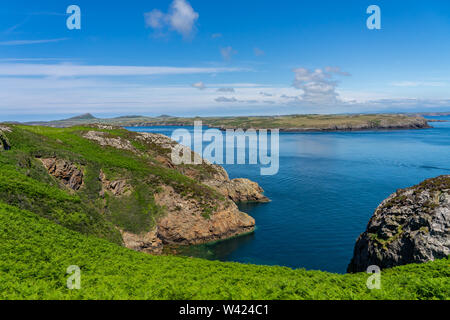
(325, 192)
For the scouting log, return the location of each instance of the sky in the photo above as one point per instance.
(246, 57)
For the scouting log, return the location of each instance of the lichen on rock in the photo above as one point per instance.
(410, 226)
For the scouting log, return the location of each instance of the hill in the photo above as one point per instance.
(121, 186)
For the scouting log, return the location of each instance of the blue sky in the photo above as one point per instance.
(197, 57)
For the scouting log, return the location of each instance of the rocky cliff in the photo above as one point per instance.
(410, 226)
(126, 181)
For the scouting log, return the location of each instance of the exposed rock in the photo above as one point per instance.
(64, 171)
(117, 187)
(410, 226)
(148, 242)
(4, 142)
(159, 139)
(104, 139)
(4, 128)
(238, 190)
(185, 222)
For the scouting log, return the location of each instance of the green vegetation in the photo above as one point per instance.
(35, 254)
(45, 227)
(26, 184)
(288, 123)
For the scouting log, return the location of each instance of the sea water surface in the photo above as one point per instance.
(325, 192)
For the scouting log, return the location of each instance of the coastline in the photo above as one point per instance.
(288, 123)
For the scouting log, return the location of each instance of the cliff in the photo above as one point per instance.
(410, 226)
(120, 185)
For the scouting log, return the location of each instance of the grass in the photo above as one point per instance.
(25, 183)
(35, 254)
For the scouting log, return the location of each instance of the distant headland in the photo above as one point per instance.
(287, 123)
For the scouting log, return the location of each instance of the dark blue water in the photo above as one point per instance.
(326, 190)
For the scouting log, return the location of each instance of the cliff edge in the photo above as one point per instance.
(120, 185)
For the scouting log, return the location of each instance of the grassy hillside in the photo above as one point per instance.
(35, 253)
(25, 183)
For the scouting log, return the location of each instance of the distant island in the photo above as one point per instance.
(287, 123)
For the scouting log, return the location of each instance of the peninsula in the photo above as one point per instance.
(287, 123)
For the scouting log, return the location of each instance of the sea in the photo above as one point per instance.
(327, 188)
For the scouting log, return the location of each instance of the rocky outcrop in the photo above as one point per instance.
(410, 226)
(186, 222)
(187, 218)
(4, 142)
(66, 172)
(237, 190)
(104, 139)
(148, 242)
(118, 187)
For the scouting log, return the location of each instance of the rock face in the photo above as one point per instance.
(64, 171)
(118, 187)
(103, 139)
(185, 222)
(4, 142)
(148, 242)
(410, 226)
(237, 190)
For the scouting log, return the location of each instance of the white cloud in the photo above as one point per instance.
(53, 95)
(181, 18)
(227, 52)
(216, 35)
(155, 19)
(199, 85)
(72, 70)
(318, 86)
(25, 42)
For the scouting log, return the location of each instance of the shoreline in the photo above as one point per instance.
(288, 123)
(288, 130)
